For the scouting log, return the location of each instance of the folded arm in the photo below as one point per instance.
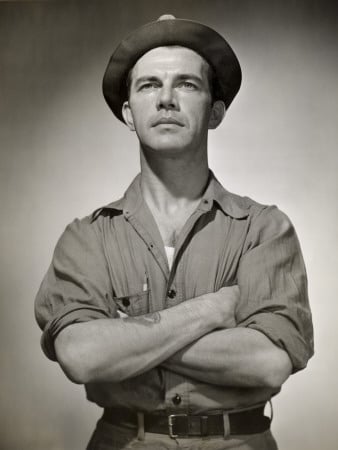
(197, 338)
(233, 357)
(113, 350)
(273, 337)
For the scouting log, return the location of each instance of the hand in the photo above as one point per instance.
(224, 303)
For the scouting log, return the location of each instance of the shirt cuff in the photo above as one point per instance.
(72, 313)
(283, 333)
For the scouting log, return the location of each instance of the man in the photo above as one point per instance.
(182, 307)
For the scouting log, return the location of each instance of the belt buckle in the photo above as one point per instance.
(171, 425)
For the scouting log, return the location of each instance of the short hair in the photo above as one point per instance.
(212, 79)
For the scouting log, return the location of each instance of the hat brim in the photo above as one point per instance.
(186, 33)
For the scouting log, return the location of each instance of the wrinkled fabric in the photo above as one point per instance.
(114, 260)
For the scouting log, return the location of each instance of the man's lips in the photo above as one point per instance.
(167, 121)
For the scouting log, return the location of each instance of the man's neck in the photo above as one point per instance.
(169, 184)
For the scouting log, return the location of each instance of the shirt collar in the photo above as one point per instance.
(231, 204)
(129, 203)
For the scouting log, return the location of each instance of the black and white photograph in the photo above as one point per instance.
(169, 221)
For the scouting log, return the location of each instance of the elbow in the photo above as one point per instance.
(81, 362)
(74, 372)
(278, 369)
(72, 358)
(73, 367)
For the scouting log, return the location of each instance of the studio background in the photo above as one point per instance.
(63, 154)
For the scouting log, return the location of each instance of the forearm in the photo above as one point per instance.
(116, 349)
(239, 357)
(145, 392)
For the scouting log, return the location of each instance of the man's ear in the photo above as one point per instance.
(127, 115)
(217, 114)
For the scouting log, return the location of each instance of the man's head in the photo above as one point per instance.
(170, 102)
(168, 31)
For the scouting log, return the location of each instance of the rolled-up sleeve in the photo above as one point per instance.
(77, 287)
(273, 285)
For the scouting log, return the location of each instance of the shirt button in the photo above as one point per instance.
(172, 293)
(125, 301)
(176, 399)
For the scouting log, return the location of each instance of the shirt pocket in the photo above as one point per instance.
(134, 304)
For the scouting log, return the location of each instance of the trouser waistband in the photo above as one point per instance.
(183, 425)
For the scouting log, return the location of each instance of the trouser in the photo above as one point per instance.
(112, 437)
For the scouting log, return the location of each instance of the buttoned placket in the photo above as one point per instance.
(176, 391)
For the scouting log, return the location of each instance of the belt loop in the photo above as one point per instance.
(271, 410)
(226, 424)
(140, 426)
(204, 425)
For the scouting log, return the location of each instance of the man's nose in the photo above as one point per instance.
(167, 98)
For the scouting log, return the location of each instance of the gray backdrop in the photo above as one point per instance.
(63, 154)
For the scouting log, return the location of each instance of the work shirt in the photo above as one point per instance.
(115, 260)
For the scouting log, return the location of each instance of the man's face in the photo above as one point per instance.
(170, 101)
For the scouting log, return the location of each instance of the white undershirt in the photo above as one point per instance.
(170, 254)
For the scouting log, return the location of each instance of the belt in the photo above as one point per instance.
(184, 425)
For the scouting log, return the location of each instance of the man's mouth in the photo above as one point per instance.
(167, 121)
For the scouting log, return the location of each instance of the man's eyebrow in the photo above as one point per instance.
(180, 76)
(189, 76)
(146, 78)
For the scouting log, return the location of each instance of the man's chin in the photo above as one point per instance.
(166, 146)
(166, 149)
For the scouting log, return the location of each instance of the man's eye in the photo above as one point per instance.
(187, 85)
(147, 86)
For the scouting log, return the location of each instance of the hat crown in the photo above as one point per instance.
(166, 17)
